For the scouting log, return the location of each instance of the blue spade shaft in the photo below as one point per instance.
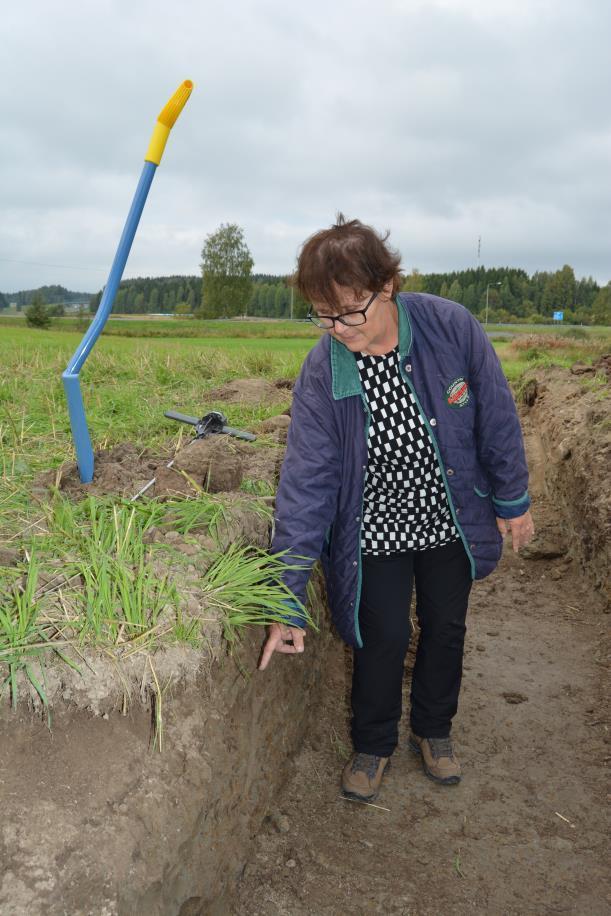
(70, 377)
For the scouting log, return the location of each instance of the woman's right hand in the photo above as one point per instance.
(281, 638)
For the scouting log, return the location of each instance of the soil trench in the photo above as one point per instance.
(525, 831)
(97, 823)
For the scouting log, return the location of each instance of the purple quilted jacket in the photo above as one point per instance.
(451, 368)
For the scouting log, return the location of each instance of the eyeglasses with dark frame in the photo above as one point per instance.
(350, 319)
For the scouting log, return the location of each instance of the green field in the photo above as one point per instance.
(566, 330)
(97, 551)
(127, 384)
(148, 326)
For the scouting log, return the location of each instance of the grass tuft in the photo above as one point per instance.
(26, 636)
(245, 585)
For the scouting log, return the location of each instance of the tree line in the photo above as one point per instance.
(497, 294)
(228, 288)
(269, 296)
(145, 295)
(52, 295)
(513, 295)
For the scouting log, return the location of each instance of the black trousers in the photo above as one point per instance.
(442, 577)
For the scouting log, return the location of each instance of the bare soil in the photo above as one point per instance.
(216, 464)
(250, 391)
(525, 831)
(96, 822)
(567, 424)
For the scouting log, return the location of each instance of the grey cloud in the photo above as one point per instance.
(441, 121)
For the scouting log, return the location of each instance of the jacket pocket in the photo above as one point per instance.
(481, 484)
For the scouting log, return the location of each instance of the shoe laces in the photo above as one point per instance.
(441, 747)
(366, 763)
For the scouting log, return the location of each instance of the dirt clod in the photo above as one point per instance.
(248, 391)
(282, 421)
(530, 392)
(280, 822)
(277, 427)
(514, 698)
(603, 364)
(212, 463)
(9, 556)
(544, 548)
(582, 369)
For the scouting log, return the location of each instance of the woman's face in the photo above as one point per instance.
(379, 330)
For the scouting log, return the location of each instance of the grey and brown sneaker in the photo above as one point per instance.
(438, 758)
(362, 776)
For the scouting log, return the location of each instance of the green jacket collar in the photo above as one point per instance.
(344, 370)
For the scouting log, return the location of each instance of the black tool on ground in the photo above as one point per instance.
(213, 422)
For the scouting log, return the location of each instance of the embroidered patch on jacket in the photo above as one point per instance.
(457, 393)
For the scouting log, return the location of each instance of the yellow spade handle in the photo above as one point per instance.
(165, 122)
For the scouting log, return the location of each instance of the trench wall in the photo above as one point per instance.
(567, 415)
(95, 821)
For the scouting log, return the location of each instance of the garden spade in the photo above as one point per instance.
(70, 377)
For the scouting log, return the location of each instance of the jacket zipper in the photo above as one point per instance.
(357, 602)
(443, 471)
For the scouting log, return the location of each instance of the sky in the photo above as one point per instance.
(442, 121)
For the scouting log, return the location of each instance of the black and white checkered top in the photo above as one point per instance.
(405, 503)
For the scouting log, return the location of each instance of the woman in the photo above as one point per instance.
(404, 466)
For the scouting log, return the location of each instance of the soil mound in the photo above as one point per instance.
(213, 463)
(603, 364)
(249, 391)
(277, 427)
(216, 464)
(120, 470)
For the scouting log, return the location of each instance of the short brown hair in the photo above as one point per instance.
(348, 254)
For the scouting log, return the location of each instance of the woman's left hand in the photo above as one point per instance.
(522, 529)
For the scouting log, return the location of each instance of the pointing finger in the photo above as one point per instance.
(273, 641)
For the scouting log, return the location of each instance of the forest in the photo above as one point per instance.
(512, 295)
(52, 295)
